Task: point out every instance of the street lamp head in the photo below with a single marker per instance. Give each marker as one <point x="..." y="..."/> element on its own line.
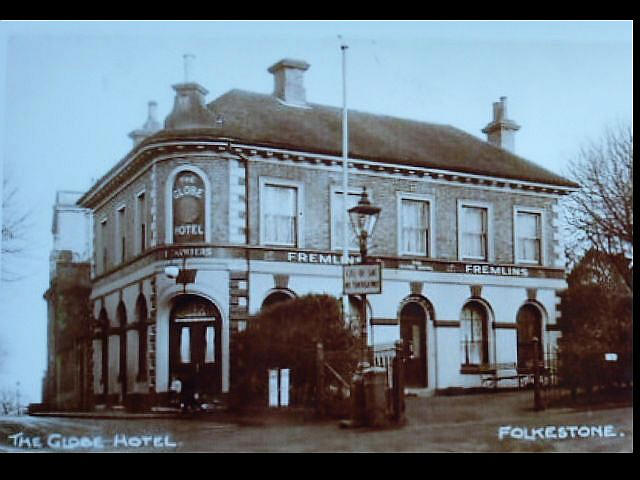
<point x="364" y="216"/>
<point x="171" y="271"/>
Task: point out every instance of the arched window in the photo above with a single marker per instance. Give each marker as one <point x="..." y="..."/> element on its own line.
<point x="277" y="297"/>
<point x="474" y="334"/>
<point x="141" y="321"/>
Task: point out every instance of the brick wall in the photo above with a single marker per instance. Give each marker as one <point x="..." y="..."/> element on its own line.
<point x="217" y="172"/>
<point x="216" y="169"/>
<point x="226" y="177"/>
<point x="383" y="193"/>
<point x="127" y="197"/>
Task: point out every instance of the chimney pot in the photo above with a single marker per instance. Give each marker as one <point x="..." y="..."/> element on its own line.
<point x="189" y="63"/>
<point x="501" y="130"/>
<point x="153" y="110"/>
<point x="150" y="127"/>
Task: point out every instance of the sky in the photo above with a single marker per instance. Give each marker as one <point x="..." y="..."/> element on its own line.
<point x="70" y="92"/>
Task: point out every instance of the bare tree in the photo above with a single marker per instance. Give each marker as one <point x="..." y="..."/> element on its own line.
<point x="15" y="229"/>
<point x="7" y="401"/>
<point x="600" y="214"/>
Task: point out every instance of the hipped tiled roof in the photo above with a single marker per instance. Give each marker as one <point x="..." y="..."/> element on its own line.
<point x="262" y="119"/>
<point x="259" y="119"/>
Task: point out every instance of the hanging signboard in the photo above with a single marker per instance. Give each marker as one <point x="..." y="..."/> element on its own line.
<point x="362" y="279"/>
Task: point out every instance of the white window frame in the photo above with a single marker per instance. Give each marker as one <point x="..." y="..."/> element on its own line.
<point x="431" y="246"/>
<point x="490" y="233"/>
<point x="535" y="210"/>
<point x="337" y="243"/>
<point x="119" y="231"/>
<point x="283" y="182"/>
<point x="138" y="222"/>
<point x="489" y="319"/>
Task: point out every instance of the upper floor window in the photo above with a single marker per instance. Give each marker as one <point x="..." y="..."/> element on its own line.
<point x="473" y="231"/>
<point x="415" y="225"/>
<point x="528" y="236"/>
<point x="280" y="212"/>
<point x="337" y="219"/>
<point x="121" y="233"/>
<point x="141" y="222"/>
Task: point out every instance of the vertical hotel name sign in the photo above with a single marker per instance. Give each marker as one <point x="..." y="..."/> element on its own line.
<point x="188" y="208"/>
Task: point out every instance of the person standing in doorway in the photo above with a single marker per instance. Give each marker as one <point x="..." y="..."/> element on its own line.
<point x="175" y="391"/>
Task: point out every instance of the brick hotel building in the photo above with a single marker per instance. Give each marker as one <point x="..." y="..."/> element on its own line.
<point x="247" y="191"/>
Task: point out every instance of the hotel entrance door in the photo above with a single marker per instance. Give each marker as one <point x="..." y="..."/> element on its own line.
<point x="194" y="345"/>
<point x="413" y="322"/>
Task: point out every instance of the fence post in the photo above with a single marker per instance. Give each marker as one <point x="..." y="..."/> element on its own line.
<point x="537" y="400"/>
<point x="319" y="378"/>
<point x="398" y="383"/>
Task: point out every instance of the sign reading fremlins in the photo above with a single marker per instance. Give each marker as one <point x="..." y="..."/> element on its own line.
<point x="188" y="208"/>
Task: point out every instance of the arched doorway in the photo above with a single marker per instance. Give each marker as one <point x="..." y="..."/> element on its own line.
<point x="195" y="344"/>
<point x="276" y="296"/>
<point x="529" y="322"/>
<point x="413" y="331"/>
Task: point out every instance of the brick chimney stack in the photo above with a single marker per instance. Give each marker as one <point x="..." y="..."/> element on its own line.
<point x="501" y="131"/>
<point x="288" y="78"/>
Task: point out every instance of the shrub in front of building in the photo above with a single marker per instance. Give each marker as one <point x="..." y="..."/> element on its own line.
<point x="286" y="336"/>
<point x="594" y="322"/>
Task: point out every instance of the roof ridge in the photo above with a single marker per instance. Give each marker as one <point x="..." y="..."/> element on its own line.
<point x="332" y="107"/>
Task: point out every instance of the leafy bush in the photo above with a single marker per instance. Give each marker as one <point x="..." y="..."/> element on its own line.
<point x="595" y="321"/>
<point x="285" y="335"/>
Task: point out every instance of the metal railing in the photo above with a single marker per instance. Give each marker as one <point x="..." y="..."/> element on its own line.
<point x="383" y="356"/>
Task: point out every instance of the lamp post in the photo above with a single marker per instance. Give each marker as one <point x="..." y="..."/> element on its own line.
<point x="363" y="220"/>
<point x="182" y="275"/>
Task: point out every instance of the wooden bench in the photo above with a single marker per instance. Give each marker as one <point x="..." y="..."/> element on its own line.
<point x="491" y="374"/>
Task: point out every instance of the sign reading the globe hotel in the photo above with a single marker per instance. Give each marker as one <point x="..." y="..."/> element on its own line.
<point x="188" y="208"/>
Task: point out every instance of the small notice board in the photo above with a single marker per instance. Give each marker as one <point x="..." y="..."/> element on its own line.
<point x="362" y="279"/>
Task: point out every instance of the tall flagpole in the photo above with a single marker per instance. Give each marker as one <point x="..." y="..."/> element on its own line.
<point x="345" y="171"/>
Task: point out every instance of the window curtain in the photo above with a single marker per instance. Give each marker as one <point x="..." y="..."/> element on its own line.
<point x="185" y="345"/>
<point x="474" y="232"/>
<point x="415" y="224"/>
<point x="210" y="352"/>
<point x="280" y="212"/>
<point x="528" y="229"/>
<point x="472" y="339"/>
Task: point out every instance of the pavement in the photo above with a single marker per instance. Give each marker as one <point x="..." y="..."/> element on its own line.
<point x="493" y="422"/>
